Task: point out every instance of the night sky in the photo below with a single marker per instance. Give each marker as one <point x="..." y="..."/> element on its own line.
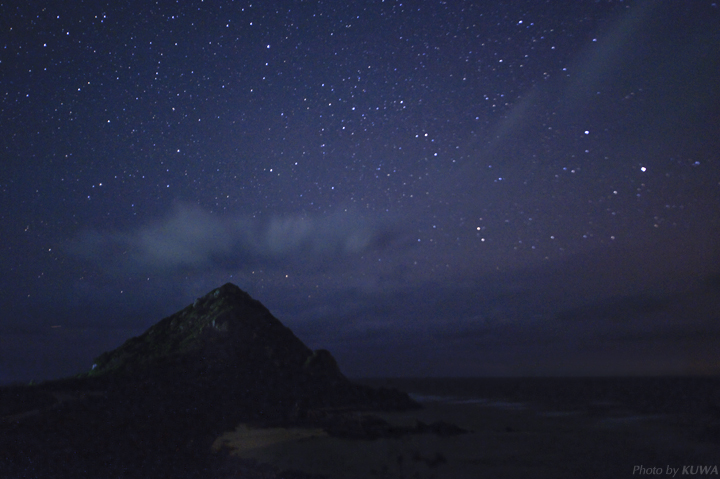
<point x="424" y="188"/>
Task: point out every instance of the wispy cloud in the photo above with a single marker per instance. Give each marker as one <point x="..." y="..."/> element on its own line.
<point x="192" y="238"/>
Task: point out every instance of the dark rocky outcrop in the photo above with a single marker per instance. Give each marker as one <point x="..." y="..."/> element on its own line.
<point x="224" y="329"/>
<point x="153" y="406"/>
<point x="228" y="350"/>
<point x="369" y="426"/>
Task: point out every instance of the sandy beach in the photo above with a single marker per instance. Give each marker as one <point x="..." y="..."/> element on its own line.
<point x="504" y="440"/>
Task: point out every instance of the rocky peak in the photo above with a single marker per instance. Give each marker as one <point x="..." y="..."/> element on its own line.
<point x="226" y="351"/>
<point x="225" y="327"/>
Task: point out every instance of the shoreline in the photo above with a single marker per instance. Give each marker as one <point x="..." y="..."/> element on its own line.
<point x="504" y="439"/>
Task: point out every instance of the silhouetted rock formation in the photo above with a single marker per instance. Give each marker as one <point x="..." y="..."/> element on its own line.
<point x="228" y="349"/>
<point x="225" y="329"/>
<point x="153" y="406"/>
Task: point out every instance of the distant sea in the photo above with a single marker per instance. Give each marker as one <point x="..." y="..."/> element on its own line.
<point x="613" y="396"/>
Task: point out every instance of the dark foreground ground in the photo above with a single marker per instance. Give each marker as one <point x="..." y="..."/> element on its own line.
<point x="537" y="427"/>
<point x="68" y="431"/>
